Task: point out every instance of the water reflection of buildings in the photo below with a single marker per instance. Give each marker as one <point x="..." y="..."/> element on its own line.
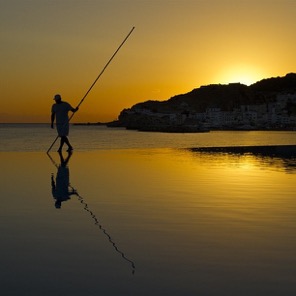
<point x="278" y="156"/>
<point x="62" y="191"/>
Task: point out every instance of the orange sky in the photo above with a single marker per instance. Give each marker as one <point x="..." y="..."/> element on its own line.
<point x="60" y="46"/>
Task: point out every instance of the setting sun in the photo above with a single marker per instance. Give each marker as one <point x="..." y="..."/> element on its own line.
<point x="243" y="74"/>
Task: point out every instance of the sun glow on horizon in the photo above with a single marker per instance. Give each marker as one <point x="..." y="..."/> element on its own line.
<point x="243" y="74"/>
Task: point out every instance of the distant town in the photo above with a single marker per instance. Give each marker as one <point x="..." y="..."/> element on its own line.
<point x="269" y="104"/>
<point x="273" y="115"/>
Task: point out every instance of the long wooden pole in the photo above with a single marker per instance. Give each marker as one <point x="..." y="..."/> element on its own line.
<point x="103" y="70"/>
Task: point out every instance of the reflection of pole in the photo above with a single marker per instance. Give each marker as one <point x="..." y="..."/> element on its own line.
<point x="80" y="198"/>
<point x="52" y="160"/>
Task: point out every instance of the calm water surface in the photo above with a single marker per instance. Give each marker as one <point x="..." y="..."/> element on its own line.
<point x="144" y="216"/>
<point x="38" y="138"/>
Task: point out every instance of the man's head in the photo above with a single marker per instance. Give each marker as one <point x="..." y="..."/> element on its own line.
<point x="57" y="98"/>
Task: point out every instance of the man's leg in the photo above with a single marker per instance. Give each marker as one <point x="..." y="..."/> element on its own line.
<point x="61" y="144"/>
<point x="68" y="143"/>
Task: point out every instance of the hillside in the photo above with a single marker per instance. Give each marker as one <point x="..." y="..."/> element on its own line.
<point x="226" y="98"/>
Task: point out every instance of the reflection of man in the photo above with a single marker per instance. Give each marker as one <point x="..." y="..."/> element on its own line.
<point x="61" y="190"/>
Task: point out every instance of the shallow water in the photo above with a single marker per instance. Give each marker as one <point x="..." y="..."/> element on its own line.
<point x="38" y="138"/>
<point x="148" y="215"/>
<point x="157" y="221"/>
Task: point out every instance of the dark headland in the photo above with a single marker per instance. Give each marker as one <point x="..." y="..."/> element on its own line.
<point x="279" y="151"/>
<point x="269" y="104"/>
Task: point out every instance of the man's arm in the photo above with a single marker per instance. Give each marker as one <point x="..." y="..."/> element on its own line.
<point x="52" y="119"/>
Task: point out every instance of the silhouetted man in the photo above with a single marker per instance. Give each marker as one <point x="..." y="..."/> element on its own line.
<point x="59" y="111"/>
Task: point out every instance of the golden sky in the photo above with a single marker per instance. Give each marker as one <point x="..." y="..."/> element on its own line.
<point x="60" y="46"/>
